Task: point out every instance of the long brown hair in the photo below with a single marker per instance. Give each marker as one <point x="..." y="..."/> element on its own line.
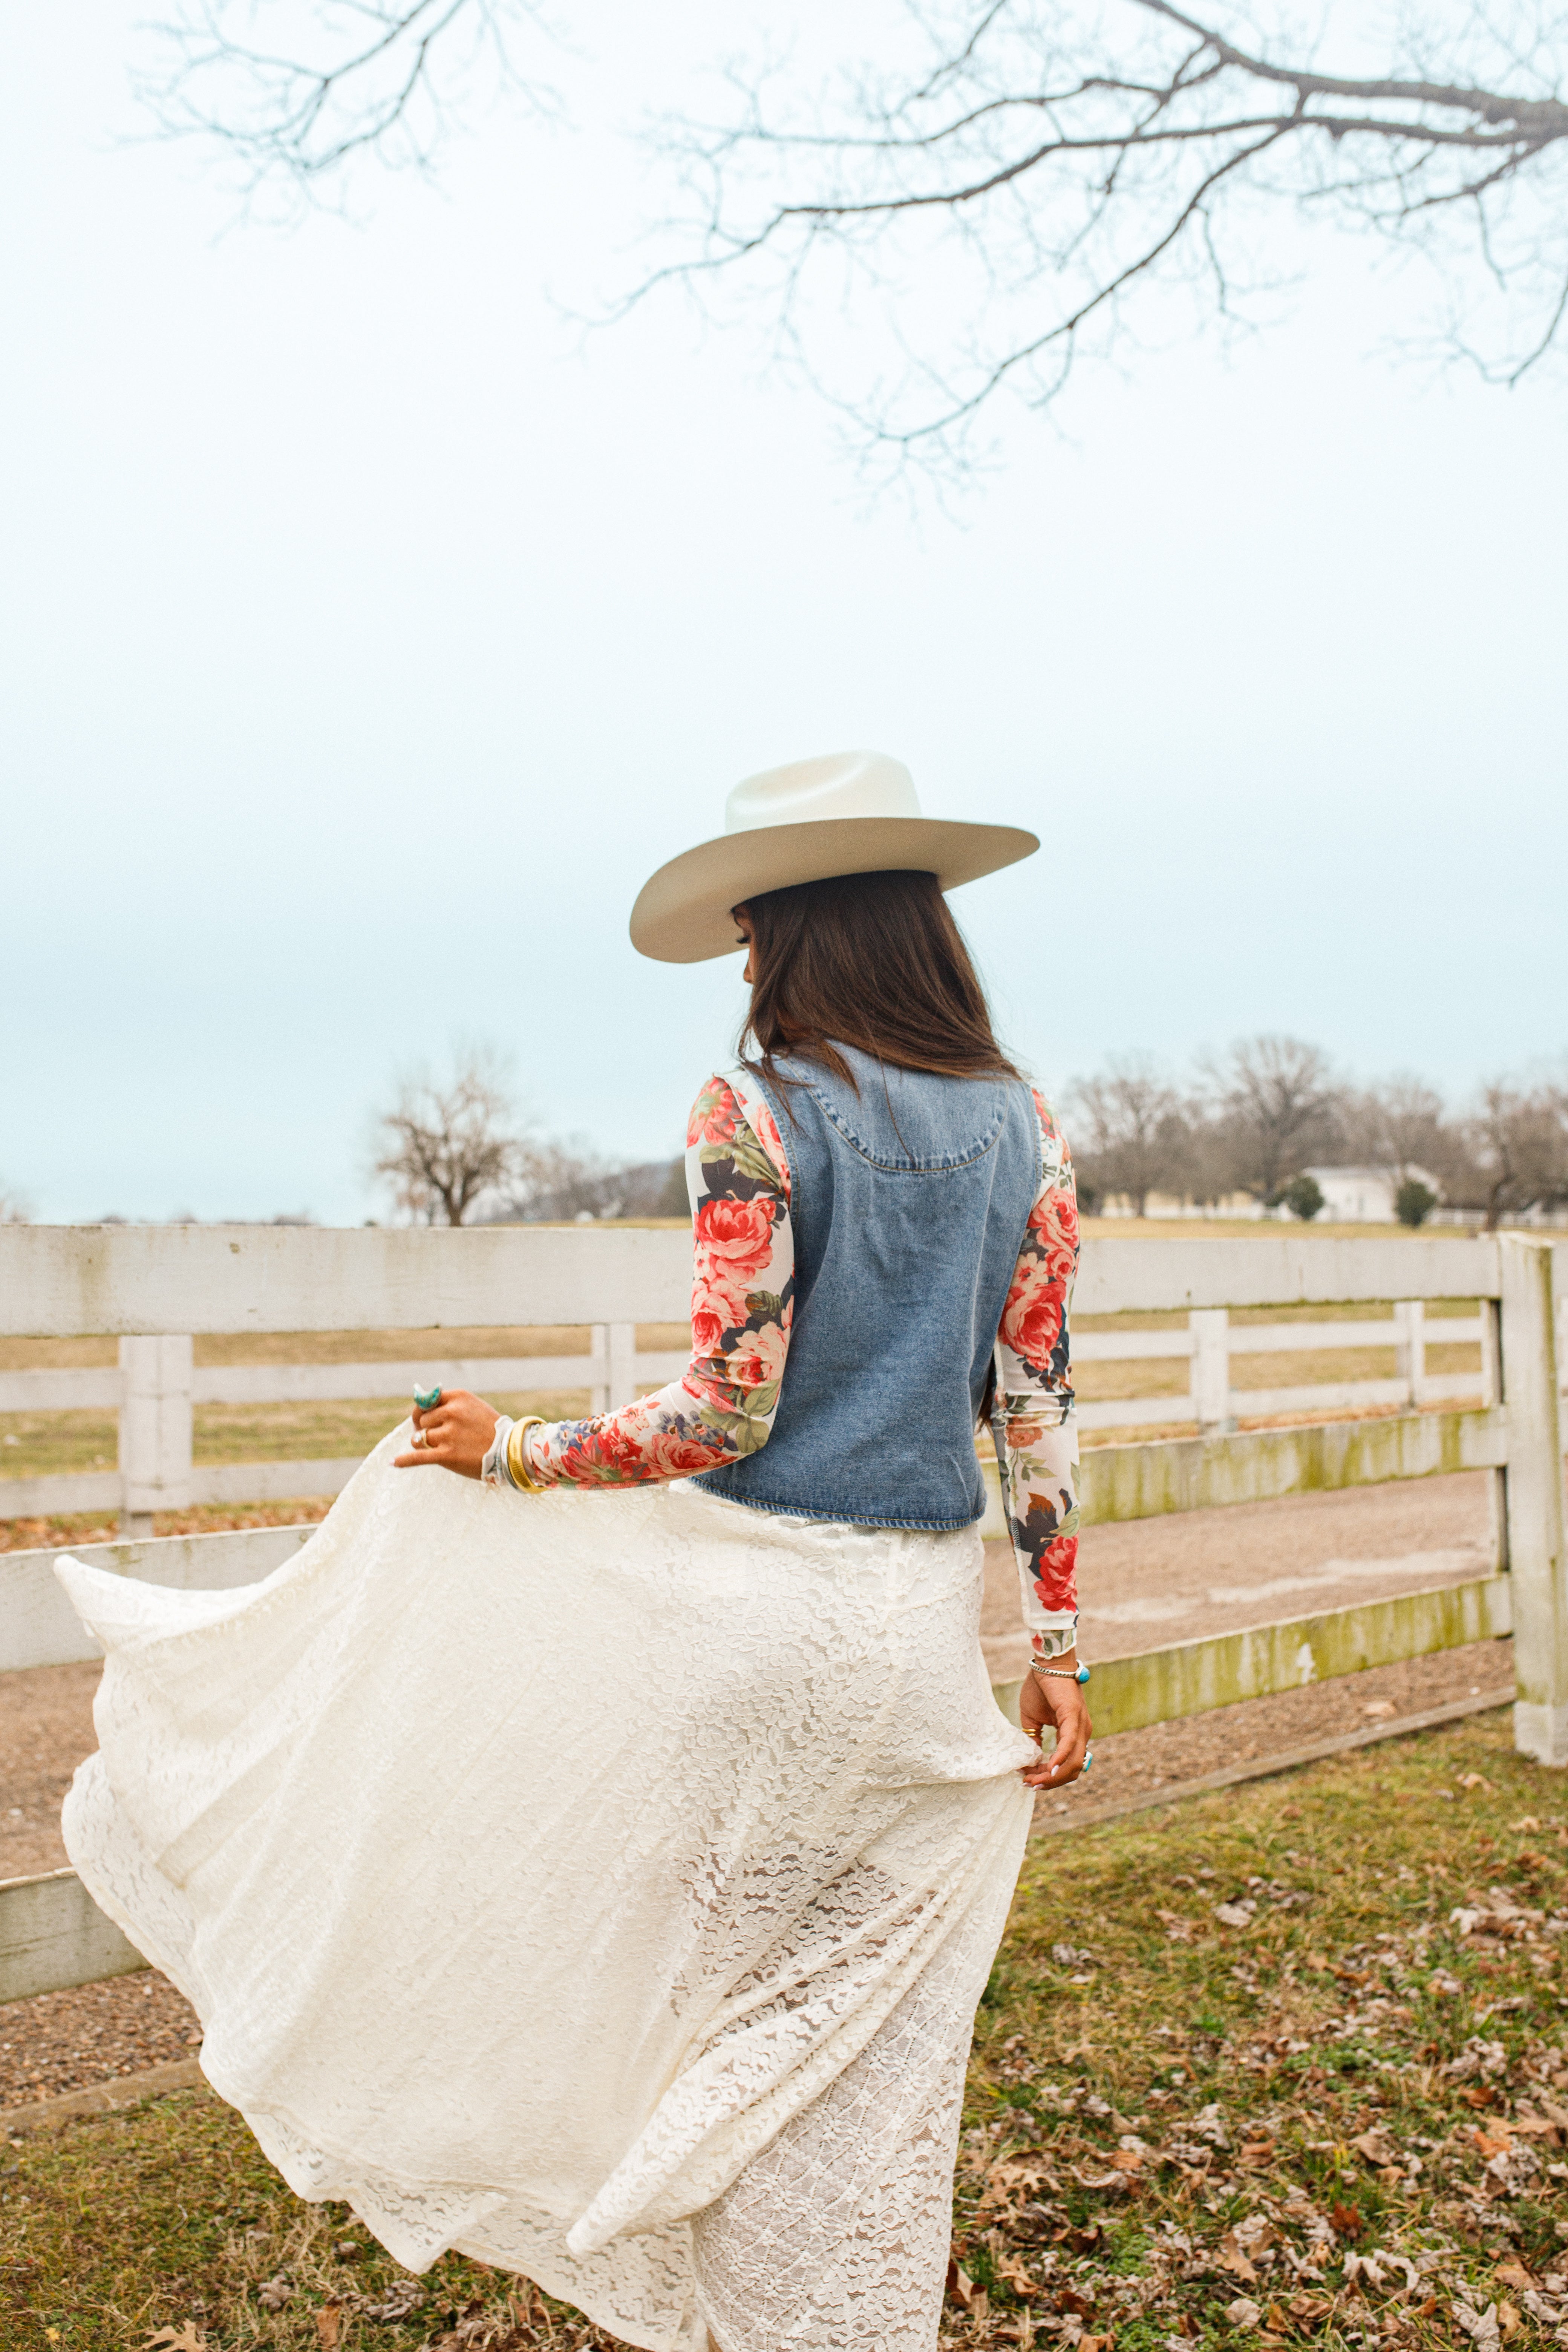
<point x="874" y="960"/>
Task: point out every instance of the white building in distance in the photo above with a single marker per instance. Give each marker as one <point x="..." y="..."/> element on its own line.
<point x="1364" y="1196"/>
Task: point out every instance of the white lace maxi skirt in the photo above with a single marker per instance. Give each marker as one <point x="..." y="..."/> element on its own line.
<point x="602" y="1885"/>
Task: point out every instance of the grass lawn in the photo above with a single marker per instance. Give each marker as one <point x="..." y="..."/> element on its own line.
<point x="1330" y="2115"/>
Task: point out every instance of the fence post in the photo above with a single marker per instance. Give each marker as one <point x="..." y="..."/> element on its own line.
<point x="621" y="1356"/>
<point x="155" y="1431"/>
<point x="1410" y="1348"/>
<point x="1210" y="1327"/>
<point x="1537" y="1554"/>
<point x="1491" y="1393"/>
<point x="614" y="1363"/>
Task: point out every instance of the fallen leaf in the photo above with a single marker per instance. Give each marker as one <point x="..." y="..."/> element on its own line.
<point x="1253" y="2152"/>
<point x="1474" y="1781"/>
<point x="1348" y="2220"/>
<point x="1376" y="2147"/>
<point x="187" y="2338"/>
<point x="331" y="2321"/>
<point x="1497" y="2142"/>
<point x="1012" y="2271"/>
<point x="1513" y="2273"/>
<point x="959" y="2285"/>
<point x="1480" y="2327"/>
<point x="1508" y="2320"/>
<point x="1310" y="2306"/>
<point x="273" y="2294"/>
<point x="1235" y="1915"/>
<point x="1378" y="1706"/>
<point x="1232" y="2257"/>
<point x="1243" y="2312"/>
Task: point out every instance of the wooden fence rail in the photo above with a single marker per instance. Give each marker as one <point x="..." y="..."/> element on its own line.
<point x="156" y="1287"/>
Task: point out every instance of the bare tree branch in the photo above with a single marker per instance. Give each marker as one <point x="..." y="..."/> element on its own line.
<point x="1036" y="173"/>
<point x="341" y="78"/>
<point x="990" y="208"/>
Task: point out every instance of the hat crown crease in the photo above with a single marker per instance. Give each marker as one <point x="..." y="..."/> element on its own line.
<point x="842" y="785"/>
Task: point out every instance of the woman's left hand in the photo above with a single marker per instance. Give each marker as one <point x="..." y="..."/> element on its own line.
<point x="1060" y="1704"/>
<point x="455" y="1435"/>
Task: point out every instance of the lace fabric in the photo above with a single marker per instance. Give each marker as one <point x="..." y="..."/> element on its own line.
<point x="657" y="1992"/>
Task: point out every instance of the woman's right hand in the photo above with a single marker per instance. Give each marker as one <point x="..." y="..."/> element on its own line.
<point x="1059" y="1705"/>
<point x="455" y="1435"/>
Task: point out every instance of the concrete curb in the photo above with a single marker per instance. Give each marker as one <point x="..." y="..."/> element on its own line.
<point x="1262" y="1767"/>
<point x="103" y="2098"/>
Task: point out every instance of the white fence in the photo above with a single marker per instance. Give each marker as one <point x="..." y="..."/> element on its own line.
<point x="157" y="1385"/>
<point x="155" y="1288"/>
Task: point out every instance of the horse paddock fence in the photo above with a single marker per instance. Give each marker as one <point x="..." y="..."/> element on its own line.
<point x="157" y="1289"/>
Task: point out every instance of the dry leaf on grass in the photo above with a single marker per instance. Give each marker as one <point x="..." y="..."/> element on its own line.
<point x="332" y="2321"/>
<point x="188" y="2338"/>
<point x="1233" y="2259"/>
<point x="1010" y="2269"/>
<point x="959" y="2285"/>
<point x="1243" y="2311"/>
<point x="1376" y="2147"/>
<point x="401" y="2303"/>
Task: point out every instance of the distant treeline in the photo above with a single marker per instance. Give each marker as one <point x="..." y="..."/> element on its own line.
<point x="1251" y="1121"/>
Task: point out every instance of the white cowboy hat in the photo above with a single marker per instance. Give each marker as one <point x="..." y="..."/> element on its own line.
<point x="850" y="812"/>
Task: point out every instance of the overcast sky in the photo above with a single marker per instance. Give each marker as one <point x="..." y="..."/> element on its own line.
<point x="366" y="642"/>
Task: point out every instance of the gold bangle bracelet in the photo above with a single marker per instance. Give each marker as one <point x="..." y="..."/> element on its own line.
<point x="516" y="1461"/>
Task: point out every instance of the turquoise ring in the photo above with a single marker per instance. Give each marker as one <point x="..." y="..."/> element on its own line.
<point x="1089" y="1759"/>
<point x="1081" y="1676"/>
<point x="426" y="1400"/>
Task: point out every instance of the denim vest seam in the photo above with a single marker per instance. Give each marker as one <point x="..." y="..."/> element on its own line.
<point x="917" y="1164"/>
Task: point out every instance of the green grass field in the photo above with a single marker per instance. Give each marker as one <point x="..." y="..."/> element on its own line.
<point x="1330" y="2117"/>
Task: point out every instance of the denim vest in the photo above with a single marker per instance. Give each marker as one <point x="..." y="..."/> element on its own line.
<point x="909" y="1201"/>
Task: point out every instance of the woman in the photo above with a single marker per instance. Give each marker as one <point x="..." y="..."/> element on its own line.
<point x="595" y="1866"/>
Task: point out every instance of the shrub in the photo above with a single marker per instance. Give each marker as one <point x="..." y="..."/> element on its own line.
<point x="1415" y="1201"/>
<point x="1303" y="1196"/>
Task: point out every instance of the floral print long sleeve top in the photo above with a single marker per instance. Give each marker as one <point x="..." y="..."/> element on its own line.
<point x="724" y="1403"/>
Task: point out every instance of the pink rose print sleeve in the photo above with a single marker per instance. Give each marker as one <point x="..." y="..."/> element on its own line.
<point x="743" y="1292"/>
<point x="1034" y="1423"/>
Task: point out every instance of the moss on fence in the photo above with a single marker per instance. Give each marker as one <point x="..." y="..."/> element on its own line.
<point x="1282" y="2065"/>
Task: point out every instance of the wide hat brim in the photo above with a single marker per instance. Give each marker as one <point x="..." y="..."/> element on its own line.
<point x="683" y="912"/>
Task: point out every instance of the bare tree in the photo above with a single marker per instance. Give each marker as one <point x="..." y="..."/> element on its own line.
<point x="560" y="1181"/>
<point x="1130" y="1135"/>
<point x="1397" y="1123"/>
<point x="445" y="1148"/>
<point x="1273" y="1102"/>
<point x="1517" y="1152"/>
<point x="997" y="204"/>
